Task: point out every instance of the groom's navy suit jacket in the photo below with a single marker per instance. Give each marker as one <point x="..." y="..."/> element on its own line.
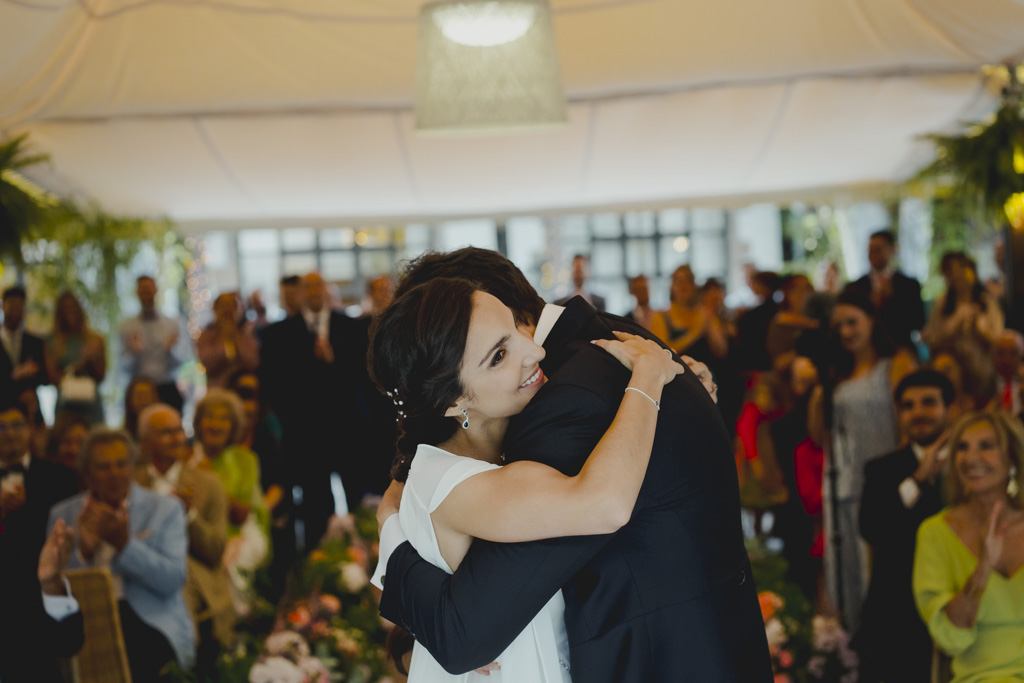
<point x="669" y="597"/>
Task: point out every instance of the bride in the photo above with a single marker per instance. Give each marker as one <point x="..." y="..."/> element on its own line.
<point x="452" y="359"/>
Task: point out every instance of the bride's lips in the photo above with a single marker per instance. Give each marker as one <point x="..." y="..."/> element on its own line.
<point x="534" y="380"/>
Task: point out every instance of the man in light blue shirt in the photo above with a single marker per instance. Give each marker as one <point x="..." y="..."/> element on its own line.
<point x="147" y="345"/>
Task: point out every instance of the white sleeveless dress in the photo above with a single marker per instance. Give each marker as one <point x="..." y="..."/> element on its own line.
<point x="540" y="654"/>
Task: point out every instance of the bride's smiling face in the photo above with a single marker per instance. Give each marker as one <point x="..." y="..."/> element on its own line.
<point x="501" y="366"/>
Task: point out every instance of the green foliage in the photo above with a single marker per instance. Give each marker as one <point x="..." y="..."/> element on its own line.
<point x="22" y="204"/>
<point x="979" y="163"/>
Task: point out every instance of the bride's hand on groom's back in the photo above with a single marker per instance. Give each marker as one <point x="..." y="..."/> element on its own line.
<point x="642" y="355"/>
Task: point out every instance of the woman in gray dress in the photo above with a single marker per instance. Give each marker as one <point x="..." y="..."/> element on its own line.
<point x="866" y="370"/>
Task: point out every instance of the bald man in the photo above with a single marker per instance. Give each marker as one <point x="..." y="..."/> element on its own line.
<point x="313" y="369"/>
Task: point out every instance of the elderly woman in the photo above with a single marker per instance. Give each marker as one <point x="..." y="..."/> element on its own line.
<point x="968" y="582"/>
<point x="218" y="425"/>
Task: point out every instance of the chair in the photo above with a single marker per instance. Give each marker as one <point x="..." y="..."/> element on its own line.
<point x="103" y="657"/>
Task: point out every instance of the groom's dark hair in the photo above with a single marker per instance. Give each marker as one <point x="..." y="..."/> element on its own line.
<point x="489" y="270"/>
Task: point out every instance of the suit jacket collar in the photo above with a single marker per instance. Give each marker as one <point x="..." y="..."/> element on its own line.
<point x="577" y="316"/>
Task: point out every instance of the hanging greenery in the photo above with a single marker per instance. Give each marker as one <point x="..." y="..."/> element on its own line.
<point x="985" y="164"/>
<point x="22" y="204"/>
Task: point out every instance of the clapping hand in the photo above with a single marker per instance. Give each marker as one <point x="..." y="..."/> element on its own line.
<point x="322" y="350"/>
<point x="11" y="498"/>
<point x="54" y="558"/>
<point x="931" y="462"/>
<point x="992" y="549"/>
<point x="23" y="370"/>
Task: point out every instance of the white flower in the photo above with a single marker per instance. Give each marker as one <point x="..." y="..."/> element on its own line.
<point x="828" y="634"/>
<point x="288" y="644"/>
<point x="354" y="577"/>
<point x="276" y="670"/>
<point x="314" y="670"/>
<point x="775" y="632"/>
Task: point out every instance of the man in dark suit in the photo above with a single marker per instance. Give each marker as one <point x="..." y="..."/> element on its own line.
<point x="29" y="486"/>
<point x="901" y="490"/>
<point x="22" y="366"/>
<point x="312" y="364"/>
<point x="896" y="297"/>
<point x="46" y="623"/>
<point x="580" y="275"/>
<point x="667" y="598"/>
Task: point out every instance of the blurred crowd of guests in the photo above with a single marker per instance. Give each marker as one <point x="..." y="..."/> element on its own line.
<point x="183" y="525"/>
<point x="886" y="446"/>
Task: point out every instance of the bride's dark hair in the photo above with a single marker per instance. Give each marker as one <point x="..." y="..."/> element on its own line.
<point x="416" y="357"/>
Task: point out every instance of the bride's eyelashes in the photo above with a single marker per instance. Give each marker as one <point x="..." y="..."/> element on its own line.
<point x="499" y="356"/>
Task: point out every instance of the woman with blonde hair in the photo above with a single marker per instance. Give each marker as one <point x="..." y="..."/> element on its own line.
<point x="218" y="426"/>
<point x="968" y="582"/>
<point x="76" y="360"/>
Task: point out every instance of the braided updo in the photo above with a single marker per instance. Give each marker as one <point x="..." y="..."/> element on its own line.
<point x="416" y="358"/>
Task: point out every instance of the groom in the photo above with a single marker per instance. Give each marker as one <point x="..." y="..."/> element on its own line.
<point x="669" y="597"/>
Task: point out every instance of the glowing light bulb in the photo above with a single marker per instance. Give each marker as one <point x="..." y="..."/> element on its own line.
<point x="485" y="24"/>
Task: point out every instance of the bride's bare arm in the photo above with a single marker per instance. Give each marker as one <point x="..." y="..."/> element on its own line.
<point x="527" y="501"/>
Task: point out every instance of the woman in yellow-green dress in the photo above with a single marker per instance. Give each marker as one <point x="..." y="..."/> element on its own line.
<point x="969" y="563"/>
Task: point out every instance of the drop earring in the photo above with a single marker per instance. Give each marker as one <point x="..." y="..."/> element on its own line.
<point x="465" y="423"/>
<point x="1012" y="487"/>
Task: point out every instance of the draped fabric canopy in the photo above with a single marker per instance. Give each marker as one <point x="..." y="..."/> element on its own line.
<point x="245" y="112"/>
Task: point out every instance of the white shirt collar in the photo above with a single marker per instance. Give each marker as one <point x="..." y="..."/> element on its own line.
<point x="320" y="321"/>
<point x="165" y="483"/>
<point x="548" y="317"/>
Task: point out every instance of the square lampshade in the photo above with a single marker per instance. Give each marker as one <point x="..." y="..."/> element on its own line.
<point x="487" y="66"/>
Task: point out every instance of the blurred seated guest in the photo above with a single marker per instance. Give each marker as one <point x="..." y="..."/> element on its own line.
<point x="262" y="434"/>
<point x="207" y="593"/>
<point x="789" y="325"/>
<point x="76" y="360"/>
<point x="966" y="318"/>
<point x="1007" y="357"/>
<point x="752" y="326"/>
<point x="968" y="582"/>
<point x="148" y="341"/>
<point x="228" y="343"/>
<point x="901" y="490"/>
<point x="49" y="622"/>
<point x="642" y="314"/>
<point x="946" y="360"/>
<point x="895" y="296"/>
<point x="22" y="359"/>
<point x="29" y="486"/>
<point x="65" y="441"/>
<point x="140" y="537"/>
<point x="140" y="394"/>
<point x="218" y="426"/>
<point x="580" y="275"/>
<point x="685" y="326"/>
<point x="380" y="292"/>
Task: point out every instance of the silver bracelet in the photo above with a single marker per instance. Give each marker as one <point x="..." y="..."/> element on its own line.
<point x="657" y="406"/>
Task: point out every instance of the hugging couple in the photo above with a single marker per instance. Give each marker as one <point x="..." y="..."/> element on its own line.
<point x="565" y="504"/>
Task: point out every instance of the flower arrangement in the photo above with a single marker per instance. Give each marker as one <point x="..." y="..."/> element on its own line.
<point x="327" y="628"/>
<point x="804" y="647"/>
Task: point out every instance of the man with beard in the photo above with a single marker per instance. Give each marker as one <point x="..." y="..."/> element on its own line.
<point x="902" y="489"/>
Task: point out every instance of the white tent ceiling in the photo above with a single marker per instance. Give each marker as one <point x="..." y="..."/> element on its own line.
<point x="242" y="112"/>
